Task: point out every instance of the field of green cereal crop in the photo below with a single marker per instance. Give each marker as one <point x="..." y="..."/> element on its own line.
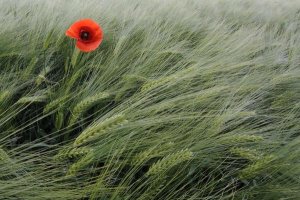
<point x="149" y="100"/>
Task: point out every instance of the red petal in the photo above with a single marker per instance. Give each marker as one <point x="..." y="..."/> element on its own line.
<point x="73" y="32"/>
<point x="87" y="47"/>
<point x="97" y="36"/>
<point x="75" y="28"/>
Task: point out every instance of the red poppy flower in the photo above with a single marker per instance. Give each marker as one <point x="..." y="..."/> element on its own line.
<point x="88" y="34"/>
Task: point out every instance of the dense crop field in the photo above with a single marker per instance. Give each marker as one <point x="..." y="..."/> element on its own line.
<point x="181" y="100"/>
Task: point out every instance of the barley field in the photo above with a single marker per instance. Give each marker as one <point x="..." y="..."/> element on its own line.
<point x="187" y="100"/>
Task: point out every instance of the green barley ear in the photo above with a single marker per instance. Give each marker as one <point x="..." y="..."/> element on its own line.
<point x="86" y="104"/>
<point x="54" y="104"/>
<point x="157" y="184"/>
<point x="96" y="190"/>
<point x="159" y="82"/>
<point x="30" y="68"/>
<point x="156" y="83"/>
<point x="59" y="119"/>
<point x="4" y="96"/>
<point x="42" y="75"/>
<point x="245" y="153"/>
<point x="257" y="167"/>
<point x="71" y="152"/>
<point x="33" y="99"/>
<point x="95" y="131"/>
<point x="80" y="164"/>
<point x="7" y="165"/>
<point x="169" y="161"/>
<point x="3" y="155"/>
<point x="241" y="138"/>
<point x="9" y="93"/>
<point x="285" y="100"/>
<point x="157" y="151"/>
<point x="130" y="84"/>
<point x="145" y="155"/>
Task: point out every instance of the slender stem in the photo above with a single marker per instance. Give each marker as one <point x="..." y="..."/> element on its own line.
<point x="75" y="56"/>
